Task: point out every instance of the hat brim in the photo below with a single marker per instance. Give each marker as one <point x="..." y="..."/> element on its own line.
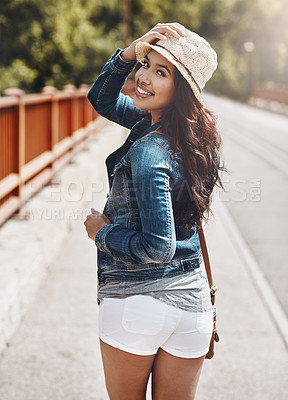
<point x="143" y="48"/>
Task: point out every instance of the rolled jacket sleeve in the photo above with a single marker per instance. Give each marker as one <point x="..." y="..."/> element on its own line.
<point x="152" y="176"/>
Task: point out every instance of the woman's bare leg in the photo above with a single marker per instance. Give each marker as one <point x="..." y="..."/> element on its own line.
<point x="175" y="377"/>
<point x="126" y="374"/>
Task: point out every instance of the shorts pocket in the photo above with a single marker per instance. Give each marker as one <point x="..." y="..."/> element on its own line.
<point x="143" y="315"/>
<point x="205" y="322"/>
<point x="109" y="321"/>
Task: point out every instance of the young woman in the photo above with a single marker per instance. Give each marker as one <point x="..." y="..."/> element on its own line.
<point x="155" y="310"/>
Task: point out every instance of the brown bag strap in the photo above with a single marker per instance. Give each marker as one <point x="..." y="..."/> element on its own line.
<point x="206" y="261"/>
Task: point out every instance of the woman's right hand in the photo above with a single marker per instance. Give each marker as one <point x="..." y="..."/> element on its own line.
<point x="160" y="31"/>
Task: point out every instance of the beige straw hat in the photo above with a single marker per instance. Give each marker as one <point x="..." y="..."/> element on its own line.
<point x="192" y="55"/>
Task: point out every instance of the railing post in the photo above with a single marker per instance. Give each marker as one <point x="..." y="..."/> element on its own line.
<point x="87" y="107"/>
<point x="54" y="121"/>
<point x="15" y="92"/>
<point x="70" y="90"/>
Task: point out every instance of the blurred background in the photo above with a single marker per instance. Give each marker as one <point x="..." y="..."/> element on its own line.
<point x="53" y="147"/>
<point x="59" y="42"/>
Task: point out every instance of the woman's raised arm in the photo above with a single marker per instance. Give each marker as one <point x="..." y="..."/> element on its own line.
<point x="160" y="31"/>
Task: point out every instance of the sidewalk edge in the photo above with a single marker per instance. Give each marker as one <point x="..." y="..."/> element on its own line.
<point x="264" y="290"/>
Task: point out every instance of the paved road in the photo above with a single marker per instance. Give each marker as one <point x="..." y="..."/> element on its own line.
<point x="256" y="153"/>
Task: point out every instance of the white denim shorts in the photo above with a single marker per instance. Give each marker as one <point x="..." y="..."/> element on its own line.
<point x="141" y="324"/>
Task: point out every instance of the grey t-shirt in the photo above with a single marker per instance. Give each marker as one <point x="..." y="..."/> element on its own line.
<point x="189" y="291"/>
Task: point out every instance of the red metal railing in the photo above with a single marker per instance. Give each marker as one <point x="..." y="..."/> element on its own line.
<point x="39" y="133"/>
<point x="276" y="93"/>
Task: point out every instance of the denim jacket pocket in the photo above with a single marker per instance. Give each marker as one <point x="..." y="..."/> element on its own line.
<point x="118" y="184"/>
<point x="135" y="221"/>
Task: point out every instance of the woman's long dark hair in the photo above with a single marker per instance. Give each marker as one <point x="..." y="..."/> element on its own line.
<point x="193" y="129"/>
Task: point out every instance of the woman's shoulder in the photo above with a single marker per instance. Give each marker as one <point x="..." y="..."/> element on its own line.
<point x="151" y="139"/>
<point x="153" y="151"/>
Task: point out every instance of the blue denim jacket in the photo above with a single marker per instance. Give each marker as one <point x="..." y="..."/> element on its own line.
<point x="146" y="178"/>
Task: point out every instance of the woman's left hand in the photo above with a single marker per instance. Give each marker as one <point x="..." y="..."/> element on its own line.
<point x="94" y="222"/>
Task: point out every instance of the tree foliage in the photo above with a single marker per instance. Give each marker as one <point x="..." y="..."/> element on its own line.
<point x="56" y="42"/>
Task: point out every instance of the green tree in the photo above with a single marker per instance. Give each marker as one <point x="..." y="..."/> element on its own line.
<point x="55" y="42"/>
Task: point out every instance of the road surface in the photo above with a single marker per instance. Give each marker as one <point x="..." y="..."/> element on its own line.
<point x="256" y="154"/>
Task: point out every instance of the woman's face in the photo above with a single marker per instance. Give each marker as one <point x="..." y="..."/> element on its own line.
<point x="154" y="85"/>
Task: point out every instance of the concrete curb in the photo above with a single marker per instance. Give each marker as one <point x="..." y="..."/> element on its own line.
<point x="268" y="297"/>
